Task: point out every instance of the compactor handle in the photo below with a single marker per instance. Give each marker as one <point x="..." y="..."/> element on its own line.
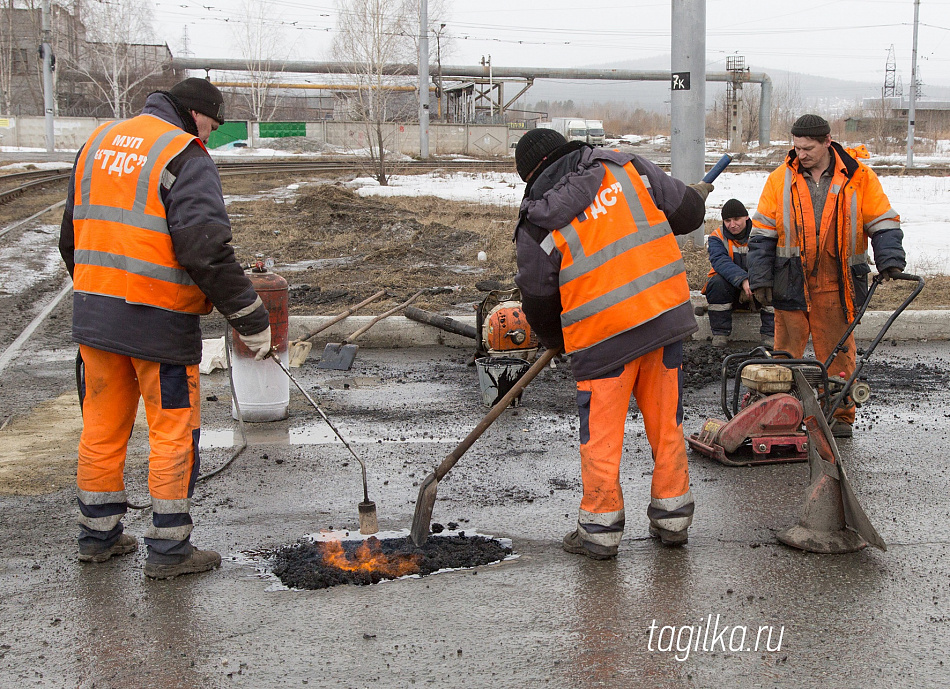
<point x="716" y="169"/>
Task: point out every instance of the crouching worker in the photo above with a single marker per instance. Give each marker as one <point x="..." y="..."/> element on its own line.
<point x="728" y="283"/>
<point x="146" y="239"/>
<point x="601" y="274"/>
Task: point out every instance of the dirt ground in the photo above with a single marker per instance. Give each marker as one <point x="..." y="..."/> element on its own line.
<point x="335" y="248"/>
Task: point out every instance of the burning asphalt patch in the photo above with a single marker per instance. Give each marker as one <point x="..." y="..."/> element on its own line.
<point x="330" y="561"/>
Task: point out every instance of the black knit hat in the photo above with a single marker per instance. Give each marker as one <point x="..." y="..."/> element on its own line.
<point x="733" y="208"/>
<point x="533" y="147"/>
<point x="201" y="96"/>
<point x="811" y="125"/>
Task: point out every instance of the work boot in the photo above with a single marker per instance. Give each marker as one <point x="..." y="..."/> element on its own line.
<point x="669" y="538"/>
<point x="720" y="341"/>
<point x="768" y="342"/>
<point x="123" y="545"/>
<point x="573" y="543"/>
<point x="841" y="429"/>
<point x="198" y="561"/>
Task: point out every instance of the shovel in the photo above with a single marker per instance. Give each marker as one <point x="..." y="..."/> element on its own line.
<point x="339" y="356"/>
<point x="427" y="491"/>
<point x="299" y="349"/>
<point x="854" y="516"/>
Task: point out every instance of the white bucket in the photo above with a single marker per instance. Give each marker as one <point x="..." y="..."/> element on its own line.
<point x="497" y="375"/>
<point x="261" y="388"/>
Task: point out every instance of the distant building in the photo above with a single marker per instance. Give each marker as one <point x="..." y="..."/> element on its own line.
<point x="78" y="85"/>
<point x="931" y="116"/>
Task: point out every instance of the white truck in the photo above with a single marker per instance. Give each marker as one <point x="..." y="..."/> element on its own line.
<point x="571" y="128"/>
<point x="595" y="132"/>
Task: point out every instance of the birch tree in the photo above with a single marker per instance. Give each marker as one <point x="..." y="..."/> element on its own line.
<point x="114" y="58"/>
<point x="261" y="42"/>
<point x="371" y="35"/>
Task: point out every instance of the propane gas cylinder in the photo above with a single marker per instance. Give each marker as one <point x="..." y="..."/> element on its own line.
<point x="261" y="388"/>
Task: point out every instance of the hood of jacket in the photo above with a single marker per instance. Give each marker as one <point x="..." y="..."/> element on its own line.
<point x="164" y="105"/>
<point x="568" y="186"/>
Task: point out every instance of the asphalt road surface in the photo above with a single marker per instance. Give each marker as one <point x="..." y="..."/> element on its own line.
<point x="732" y="608"/>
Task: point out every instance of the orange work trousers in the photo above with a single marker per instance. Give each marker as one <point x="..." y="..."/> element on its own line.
<point x="655" y="381"/>
<point x="826" y="323"/>
<point x="113" y="384"/>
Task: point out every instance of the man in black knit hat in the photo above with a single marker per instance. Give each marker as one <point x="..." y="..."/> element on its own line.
<point x="146" y="238"/>
<point x="601" y="275"/>
<point x="728" y="283"/>
<point x="819" y="215"/>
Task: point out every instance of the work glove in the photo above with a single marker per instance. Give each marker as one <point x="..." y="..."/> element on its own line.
<point x="889" y="273"/>
<point x="763" y="295"/>
<point x="703" y="188"/>
<point x="258" y="343"/>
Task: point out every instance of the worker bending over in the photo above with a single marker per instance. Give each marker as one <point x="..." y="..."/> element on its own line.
<point x="146" y="239"/>
<point x="601" y="274"/>
<point x="808" y="251"/>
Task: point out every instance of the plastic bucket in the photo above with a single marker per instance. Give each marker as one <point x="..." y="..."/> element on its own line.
<point x="497" y="375"/>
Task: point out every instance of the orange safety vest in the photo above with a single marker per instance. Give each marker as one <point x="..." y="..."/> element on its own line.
<point x="123" y="246"/>
<point x="621" y="266"/>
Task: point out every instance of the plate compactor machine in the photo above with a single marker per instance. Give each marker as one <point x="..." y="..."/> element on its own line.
<point x="761" y="397"/>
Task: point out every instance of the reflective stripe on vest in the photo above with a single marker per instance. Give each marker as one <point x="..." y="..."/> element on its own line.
<point x="123" y="246"/>
<point x="621" y="266"/>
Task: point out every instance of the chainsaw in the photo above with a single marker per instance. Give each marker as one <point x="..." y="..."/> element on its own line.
<point x="502" y="328"/>
<point x="762" y="402"/>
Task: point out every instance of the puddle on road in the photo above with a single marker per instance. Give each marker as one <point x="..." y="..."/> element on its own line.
<point x="302" y="435"/>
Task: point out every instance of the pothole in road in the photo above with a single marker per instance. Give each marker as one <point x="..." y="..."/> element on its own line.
<point x="324" y="563"/>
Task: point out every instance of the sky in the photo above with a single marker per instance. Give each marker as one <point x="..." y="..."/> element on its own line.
<point x="846" y="39"/>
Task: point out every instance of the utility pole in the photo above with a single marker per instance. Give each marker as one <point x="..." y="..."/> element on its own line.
<point x="438" y="57"/>
<point x="423" y="79"/>
<point x="47" y="52"/>
<point x="688" y="97"/>
<point x="913" y="92"/>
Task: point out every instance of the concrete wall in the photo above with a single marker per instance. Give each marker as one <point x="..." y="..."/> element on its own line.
<point x="30" y="132"/>
<point x="444" y="139"/>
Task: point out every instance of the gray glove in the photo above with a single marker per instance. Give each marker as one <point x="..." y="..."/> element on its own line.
<point x="703" y="188"/>
<point x="259" y="343"/>
<point x="889" y="273"/>
<point x="763" y="295"/>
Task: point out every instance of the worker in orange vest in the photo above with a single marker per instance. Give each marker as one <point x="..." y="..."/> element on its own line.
<point x="818" y="215"/>
<point x="146" y="239"/>
<point x="602" y="276"/>
<point x="727" y="285"/>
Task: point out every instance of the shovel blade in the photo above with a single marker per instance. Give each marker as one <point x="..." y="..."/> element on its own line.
<point x="299" y="349"/>
<point x="338" y="356"/>
<point x="423" y="514"/>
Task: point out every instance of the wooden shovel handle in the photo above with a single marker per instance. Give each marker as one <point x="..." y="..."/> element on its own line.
<point x="339" y="317"/>
<point x="495" y="412"/>
<point x="382" y="316"/>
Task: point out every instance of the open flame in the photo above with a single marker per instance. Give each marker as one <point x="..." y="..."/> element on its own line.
<point x="369" y="558"/>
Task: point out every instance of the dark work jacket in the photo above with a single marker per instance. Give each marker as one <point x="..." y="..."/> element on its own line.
<point x="558" y="195"/>
<point x="734" y="269"/>
<point x="201" y="236"/>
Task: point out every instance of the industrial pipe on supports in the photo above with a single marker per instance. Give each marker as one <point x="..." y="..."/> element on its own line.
<point x="451" y="72"/>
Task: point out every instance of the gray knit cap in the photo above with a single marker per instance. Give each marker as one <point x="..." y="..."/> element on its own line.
<point x="811" y="125"/>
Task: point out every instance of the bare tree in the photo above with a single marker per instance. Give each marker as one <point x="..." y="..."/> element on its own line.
<point x="261" y="42"/>
<point x="116" y="57"/>
<point x="371" y="35"/>
<point x="8" y="44"/>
